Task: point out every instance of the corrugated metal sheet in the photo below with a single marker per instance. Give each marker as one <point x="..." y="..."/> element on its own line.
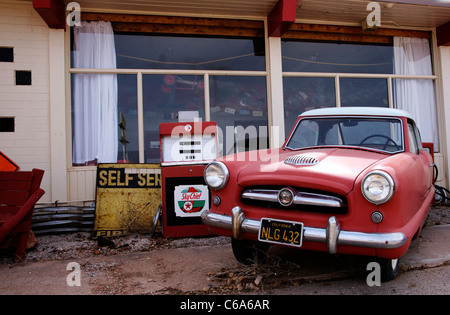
<point x="64" y="219"/>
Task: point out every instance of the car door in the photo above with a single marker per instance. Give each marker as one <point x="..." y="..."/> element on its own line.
<point x="423" y="164"/>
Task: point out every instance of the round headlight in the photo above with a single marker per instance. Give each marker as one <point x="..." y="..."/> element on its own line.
<point x="216" y="175"/>
<point x="377" y="187"/>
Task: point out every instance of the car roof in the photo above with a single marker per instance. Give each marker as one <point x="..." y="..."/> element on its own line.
<point x="358" y="111"/>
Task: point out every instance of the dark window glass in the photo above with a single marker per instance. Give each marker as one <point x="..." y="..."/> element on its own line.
<point x="6" y="54"/>
<point x="23" y="77"/>
<point x="189" y="52"/>
<point x="302" y="94"/>
<point x="239" y="106"/>
<point x="364" y="92"/>
<point x="307" y="56"/>
<point x="128" y="118"/>
<point x="7" y="124"/>
<point x="165" y="96"/>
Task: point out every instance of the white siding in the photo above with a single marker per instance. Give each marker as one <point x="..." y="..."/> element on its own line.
<point x="82" y="183"/>
<point x="29" y="146"/>
<point x="444" y="53"/>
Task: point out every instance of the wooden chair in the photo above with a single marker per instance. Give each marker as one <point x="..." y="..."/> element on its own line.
<point x="19" y="192"/>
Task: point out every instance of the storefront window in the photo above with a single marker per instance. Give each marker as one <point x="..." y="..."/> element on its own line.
<point x="361" y="74"/>
<point x="128" y="119"/>
<point x="306" y="56"/>
<point x="363" y="92"/>
<point x="146" y="51"/>
<point x="306" y="92"/>
<point x="302" y="94"/>
<point x="164" y="97"/>
<point x="189" y="52"/>
<point x="135" y="103"/>
<point x="239" y="106"/>
<point x="104" y="118"/>
<point x="417" y="97"/>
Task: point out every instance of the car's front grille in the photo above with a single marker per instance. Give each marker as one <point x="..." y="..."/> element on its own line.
<point x="304" y="200"/>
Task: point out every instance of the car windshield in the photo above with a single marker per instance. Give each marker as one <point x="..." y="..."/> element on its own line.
<point x="382" y="134"/>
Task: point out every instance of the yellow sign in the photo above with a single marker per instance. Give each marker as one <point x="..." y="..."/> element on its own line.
<point x="127" y="198"/>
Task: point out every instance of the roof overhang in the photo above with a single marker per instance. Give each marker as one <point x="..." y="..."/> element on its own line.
<point x="437" y="3"/>
<point x="281" y="17"/>
<point x="52" y="12"/>
<point x="443" y="34"/>
<point x="280" y="14"/>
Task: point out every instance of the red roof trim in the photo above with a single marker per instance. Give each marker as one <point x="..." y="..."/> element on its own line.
<point x="281" y="17"/>
<point x="52" y="12"/>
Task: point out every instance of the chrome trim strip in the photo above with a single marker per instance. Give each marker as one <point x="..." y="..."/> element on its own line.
<point x="237" y="217"/>
<point x="261" y="194"/>
<point x="300" y="198"/>
<point x="332" y="235"/>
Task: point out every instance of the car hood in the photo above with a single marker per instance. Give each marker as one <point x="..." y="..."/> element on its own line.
<point x="327" y="169"/>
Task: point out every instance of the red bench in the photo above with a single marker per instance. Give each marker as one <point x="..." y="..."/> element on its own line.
<point x="19" y="192"/>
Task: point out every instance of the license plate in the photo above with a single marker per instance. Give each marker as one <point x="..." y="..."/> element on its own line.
<point x="281" y="232"/>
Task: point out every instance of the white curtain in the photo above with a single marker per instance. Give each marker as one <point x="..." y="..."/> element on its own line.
<point x="412" y="57"/>
<point x="95" y="121"/>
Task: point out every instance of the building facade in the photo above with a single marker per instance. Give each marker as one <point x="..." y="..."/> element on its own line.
<point x="89" y="82"/>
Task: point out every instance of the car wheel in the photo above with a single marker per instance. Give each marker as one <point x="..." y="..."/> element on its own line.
<point x="249" y="252"/>
<point x="389" y="268"/>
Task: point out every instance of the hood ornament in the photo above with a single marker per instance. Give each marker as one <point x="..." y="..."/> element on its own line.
<point x="301" y="160"/>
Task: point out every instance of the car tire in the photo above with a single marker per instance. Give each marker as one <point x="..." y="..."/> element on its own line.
<point x="389" y="268"/>
<point x="249" y="252"/>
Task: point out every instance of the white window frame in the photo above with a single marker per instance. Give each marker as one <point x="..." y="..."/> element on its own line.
<point x="338" y="76"/>
<point x="388" y="77"/>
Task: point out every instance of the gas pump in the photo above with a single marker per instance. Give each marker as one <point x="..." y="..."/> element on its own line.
<point x="186" y="148"/>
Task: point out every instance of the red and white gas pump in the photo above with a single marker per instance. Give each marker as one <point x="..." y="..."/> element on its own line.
<point x="186" y="148"/>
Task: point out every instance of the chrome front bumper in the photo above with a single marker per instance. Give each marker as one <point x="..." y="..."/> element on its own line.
<point x="332" y="235"/>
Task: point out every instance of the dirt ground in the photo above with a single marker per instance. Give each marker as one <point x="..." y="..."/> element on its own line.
<point x="137" y="264"/>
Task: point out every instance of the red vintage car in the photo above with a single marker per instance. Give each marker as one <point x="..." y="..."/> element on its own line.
<point x="347" y="181"/>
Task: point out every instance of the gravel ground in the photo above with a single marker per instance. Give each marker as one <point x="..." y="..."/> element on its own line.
<point x="438" y="215"/>
<point x="230" y="278"/>
<point x="80" y="245"/>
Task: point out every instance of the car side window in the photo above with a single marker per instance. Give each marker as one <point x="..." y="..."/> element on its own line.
<point x="413" y="147"/>
<point x="418" y="138"/>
